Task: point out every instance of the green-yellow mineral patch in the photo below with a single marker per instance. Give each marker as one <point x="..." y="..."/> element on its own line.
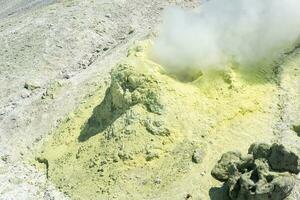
<point x="139" y="139"/>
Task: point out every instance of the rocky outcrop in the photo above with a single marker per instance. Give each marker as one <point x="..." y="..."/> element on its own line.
<point x="130" y="86"/>
<point x="265" y="173"/>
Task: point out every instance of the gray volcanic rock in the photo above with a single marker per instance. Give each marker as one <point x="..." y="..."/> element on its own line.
<point x="282" y="159"/>
<point x="259" y="150"/>
<point x="221" y="171"/>
<point x="265" y="173"/>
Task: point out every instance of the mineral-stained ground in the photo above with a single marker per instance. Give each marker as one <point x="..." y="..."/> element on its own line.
<point x="151" y="135"/>
<point x="71" y="130"/>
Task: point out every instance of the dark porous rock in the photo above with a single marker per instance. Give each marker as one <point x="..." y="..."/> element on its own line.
<point x="221" y="169"/>
<point x="282" y="159"/>
<point x="246" y="163"/>
<point x="260" y="150"/>
<point x="264" y="174"/>
<point x="260" y="183"/>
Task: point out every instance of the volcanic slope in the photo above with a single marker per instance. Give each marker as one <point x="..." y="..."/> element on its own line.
<point x="151" y="135"/>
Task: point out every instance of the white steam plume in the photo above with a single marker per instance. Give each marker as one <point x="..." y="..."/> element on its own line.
<point x="246" y="31"/>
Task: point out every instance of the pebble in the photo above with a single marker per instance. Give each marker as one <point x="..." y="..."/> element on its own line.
<point x="66" y="76"/>
<point x="198" y="156"/>
<point x="131" y="30"/>
<point x="188" y="196"/>
<point x="25" y="94"/>
<point x="4" y="158"/>
<point x="151" y="155"/>
<point x="157" y="181"/>
<point x="31" y="85"/>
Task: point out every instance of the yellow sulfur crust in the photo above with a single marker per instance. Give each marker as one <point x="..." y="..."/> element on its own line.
<point x="150" y="123"/>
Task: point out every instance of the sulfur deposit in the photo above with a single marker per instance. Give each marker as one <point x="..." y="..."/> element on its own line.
<point x="154" y="135"/>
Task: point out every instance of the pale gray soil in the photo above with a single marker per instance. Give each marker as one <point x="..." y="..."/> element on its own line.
<point x="70" y="45"/>
<point x="16" y="7"/>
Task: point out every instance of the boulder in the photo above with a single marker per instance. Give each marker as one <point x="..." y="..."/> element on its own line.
<point x="221" y="170"/>
<point x="282" y="159"/>
<point x="260" y="150"/>
<point x="264" y="174"/>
